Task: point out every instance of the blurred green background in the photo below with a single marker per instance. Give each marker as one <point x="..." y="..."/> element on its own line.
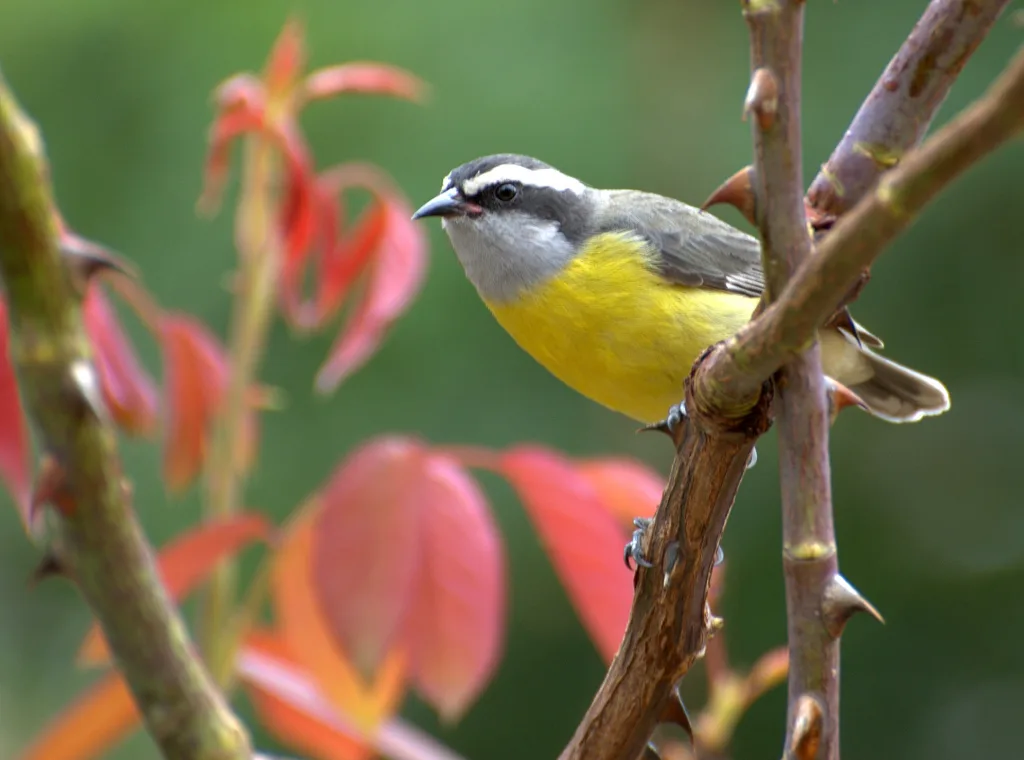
<point x="646" y="94"/>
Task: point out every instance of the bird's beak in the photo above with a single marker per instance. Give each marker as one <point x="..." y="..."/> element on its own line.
<point x="448" y="203"/>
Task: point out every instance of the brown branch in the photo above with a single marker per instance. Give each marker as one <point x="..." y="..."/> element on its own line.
<point x="98" y="543"/>
<point x="668" y="622"/>
<point x="904" y="100"/>
<point x="733" y="374"/>
<point x="810" y="561"/>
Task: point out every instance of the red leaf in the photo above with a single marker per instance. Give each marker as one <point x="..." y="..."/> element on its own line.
<point x="627" y="488"/>
<point x="310" y="639"/>
<point x="196" y="374"/>
<point x="242" y="91"/>
<point x="308" y="219"/>
<point x="185" y="562"/>
<point x="367" y="547"/>
<point x="128" y="391"/>
<point x="582" y="539"/>
<point x="95" y="722"/>
<point x="286" y="60"/>
<point x="15" y="465"/>
<point x="289" y="705"/>
<point x="244" y="115"/>
<point x="304" y="719"/>
<point x="458" y="617"/>
<point x="395" y="277"/>
<point x="348" y="257"/>
<point x="370" y="78"/>
<point x="229" y="125"/>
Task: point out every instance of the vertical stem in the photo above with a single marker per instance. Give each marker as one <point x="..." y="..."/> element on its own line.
<point x="801" y="403"/>
<point x="259" y="249"/>
<point x="98" y="542"/>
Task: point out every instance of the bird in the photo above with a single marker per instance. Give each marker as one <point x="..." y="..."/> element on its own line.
<point x="617" y="292"/>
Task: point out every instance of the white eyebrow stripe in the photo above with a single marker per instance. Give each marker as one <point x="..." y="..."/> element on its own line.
<point x="548" y="178"/>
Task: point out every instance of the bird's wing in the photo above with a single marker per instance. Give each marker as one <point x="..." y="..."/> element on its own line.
<point x="700" y="250"/>
<point x="694" y="247"/>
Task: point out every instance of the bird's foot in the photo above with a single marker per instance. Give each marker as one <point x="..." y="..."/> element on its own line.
<point x="634" y="548"/>
<point x="752" y="459"/>
<point x="673" y="421"/>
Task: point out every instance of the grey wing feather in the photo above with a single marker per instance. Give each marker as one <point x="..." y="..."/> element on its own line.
<point x="696" y="248"/>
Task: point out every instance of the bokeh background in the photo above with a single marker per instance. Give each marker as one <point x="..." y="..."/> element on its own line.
<point x="647" y="94"/>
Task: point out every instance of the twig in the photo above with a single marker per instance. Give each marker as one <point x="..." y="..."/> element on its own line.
<point x="810" y="560"/>
<point x="259" y="262"/>
<point x="895" y="116"/>
<point x="98" y="542"/>
<point x="664" y="634"/>
<point x="670" y="621"/>
<point x="859" y="237"/>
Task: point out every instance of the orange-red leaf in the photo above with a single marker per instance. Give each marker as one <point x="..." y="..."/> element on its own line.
<point x="286" y="60"/>
<point x="289" y="705"/>
<point x="95" y="722"/>
<point x="583" y="540"/>
<point x="308" y="222"/>
<point x="15" y="466"/>
<point x="244" y="111"/>
<point x="457" y="625"/>
<point x="303" y="718"/>
<point x="395" y="277"/>
<point x="370" y="78"/>
<point x="229" y="125"/>
<point x="367" y="549"/>
<point x="314" y="646"/>
<point x="128" y="391"/>
<point x="348" y="257"/>
<point x="627" y="488"/>
<point x="187" y="561"/>
<point x="196" y="375"/>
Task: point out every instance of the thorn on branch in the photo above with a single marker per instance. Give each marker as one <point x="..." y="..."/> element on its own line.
<point x="762" y="99"/>
<point x="808" y="727"/>
<point x="841" y="602"/>
<point x="51" y="488"/>
<point x="49" y="566"/>
<point x="672" y="557"/>
<point x="840" y="397"/>
<point x="87" y="259"/>
<point x="84" y="390"/>
<point x="738" y="192"/>
<point x="675" y="712"/>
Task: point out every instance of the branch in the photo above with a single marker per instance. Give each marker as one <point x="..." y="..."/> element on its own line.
<point x="98" y="541"/>
<point x="727" y="407"/>
<point x="810" y="560"/>
<point x="670" y="621"/>
<point x="735" y="373"/>
<point x="904" y="100"/>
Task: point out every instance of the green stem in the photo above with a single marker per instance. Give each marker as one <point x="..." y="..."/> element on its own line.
<point x="98" y="543"/>
<point x="259" y="248"/>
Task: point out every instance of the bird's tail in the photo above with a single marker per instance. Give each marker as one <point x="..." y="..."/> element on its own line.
<point x="890" y="391"/>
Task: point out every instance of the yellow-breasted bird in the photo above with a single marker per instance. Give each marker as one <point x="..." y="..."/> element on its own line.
<point x="616" y="292"/>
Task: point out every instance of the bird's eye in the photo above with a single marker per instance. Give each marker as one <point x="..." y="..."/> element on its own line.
<point x="506" y="192"/>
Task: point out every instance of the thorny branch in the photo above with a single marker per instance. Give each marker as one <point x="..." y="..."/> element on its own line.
<point x="810" y="560"/>
<point x="669" y="621"/>
<point x="897" y="112"/>
<point x="98" y="543"/>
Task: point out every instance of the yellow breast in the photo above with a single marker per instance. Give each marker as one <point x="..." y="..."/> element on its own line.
<point x="612" y="329"/>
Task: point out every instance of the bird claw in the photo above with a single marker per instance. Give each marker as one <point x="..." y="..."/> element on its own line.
<point x="634" y="549"/>
<point x="752" y="459"/>
<point x="673" y="420"/>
